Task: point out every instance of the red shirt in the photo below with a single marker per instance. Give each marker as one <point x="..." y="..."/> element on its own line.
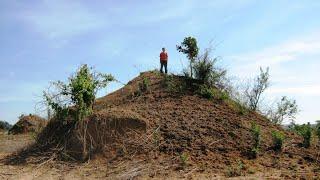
<point x="163" y="56"/>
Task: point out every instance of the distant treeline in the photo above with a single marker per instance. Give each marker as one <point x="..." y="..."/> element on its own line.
<point x="5" y="125"/>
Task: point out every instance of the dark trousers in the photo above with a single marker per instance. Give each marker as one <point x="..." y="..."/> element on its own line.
<point x="163" y="63"/>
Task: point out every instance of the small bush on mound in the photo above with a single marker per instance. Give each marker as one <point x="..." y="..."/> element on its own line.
<point x="184" y="159"/>
<point x="205" y="92"/>
<point x="73" y="101"/>
<point x="305" y="131"/>
<point x="207" y="72"/>
<point x="144" y="85"/>
<point x="234" y="171"/>
<point x="277" y="138"/>
<point x="317" y="131"/>
<point x="174" y="85"/>
<point x="256" y="135"/>
<point x="212" y="93"/>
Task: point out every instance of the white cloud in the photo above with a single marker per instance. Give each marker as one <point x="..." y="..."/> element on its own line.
<point x="312" y="90"/>
<point x="293" y="50"/>
<point x="60" y="19"/>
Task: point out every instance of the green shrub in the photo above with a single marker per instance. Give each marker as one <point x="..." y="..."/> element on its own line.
<point x="144" y="85"/>
<point x="184" y="159"/>
<point x="256" y="135"/>
<point x="205" y="92"/>
<point x="174" y="86"/>
<point x="77" y="96"/>
<point x="317" y="131"/>
<point x="234" y="171"/>
<point x="305" y="131"/>
<point x="207" y="72"/>
<point x="277" y="138"/>
<point x="240" y="108"/>
<point x="212" y="93"/>
<point x="79" y="92"/>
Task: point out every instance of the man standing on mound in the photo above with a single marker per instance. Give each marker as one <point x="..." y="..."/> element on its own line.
<point x="164" y="60"/>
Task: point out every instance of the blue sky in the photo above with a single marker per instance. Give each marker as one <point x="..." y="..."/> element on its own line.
<point x="42" y="41"/>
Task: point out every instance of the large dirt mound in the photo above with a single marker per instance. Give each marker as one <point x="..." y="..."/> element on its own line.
<point x="213" y="133"/>
<point x="28" y="123"/>
<point x="160" y="119"/>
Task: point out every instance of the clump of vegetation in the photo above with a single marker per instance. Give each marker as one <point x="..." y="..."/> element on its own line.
<point x="253" y="92"/>
<point x="256" y="134"/>
<point x="305" y="131"/>
<point x="76" y="98"/>
<point x="184" y="157"/>
<point x="144" y="85"/>
<point x="207" y="72"/>
<point x="286" y="109"/>
<point x="235" y="171"/>
<point x="172" y="85"/>
<point x="190" y="48"/>
<point x="79" y="92"/>
<point x="212" y="93"/>
<point x="239" y="107"/>
<point x="278" y="138"/>
<point x="317" y="131"/>
<point x="205" y="92"/>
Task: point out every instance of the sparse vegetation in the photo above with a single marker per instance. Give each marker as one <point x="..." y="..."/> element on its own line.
<point x="212" y="93"/>
<point x="256" y="135"/>
<point x="317" y="131"/>
<point x="205" y="91"/>
<point x="286" y="109"/>
<point x="253" y="92"/>
<point x="174" y="86"/>
<point x="207" y="72"/>
<point x="305" y="131"/>
<point x="234" y="171"/>
<point x="184" y="157"/>
<point x="144" y="85"/>
<point x="277" y="138"/>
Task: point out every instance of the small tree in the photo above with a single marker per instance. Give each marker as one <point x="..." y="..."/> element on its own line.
<point x="78" y="94"/>
<point x="253" y="94"/>
<point x="190" y="48"/>
<point x="286" y="109"/>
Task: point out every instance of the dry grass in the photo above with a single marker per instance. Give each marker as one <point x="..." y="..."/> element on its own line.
<point x="12" y="143"/>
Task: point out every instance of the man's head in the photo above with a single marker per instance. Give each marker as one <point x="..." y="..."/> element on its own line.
<point x="163" y="49"/>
